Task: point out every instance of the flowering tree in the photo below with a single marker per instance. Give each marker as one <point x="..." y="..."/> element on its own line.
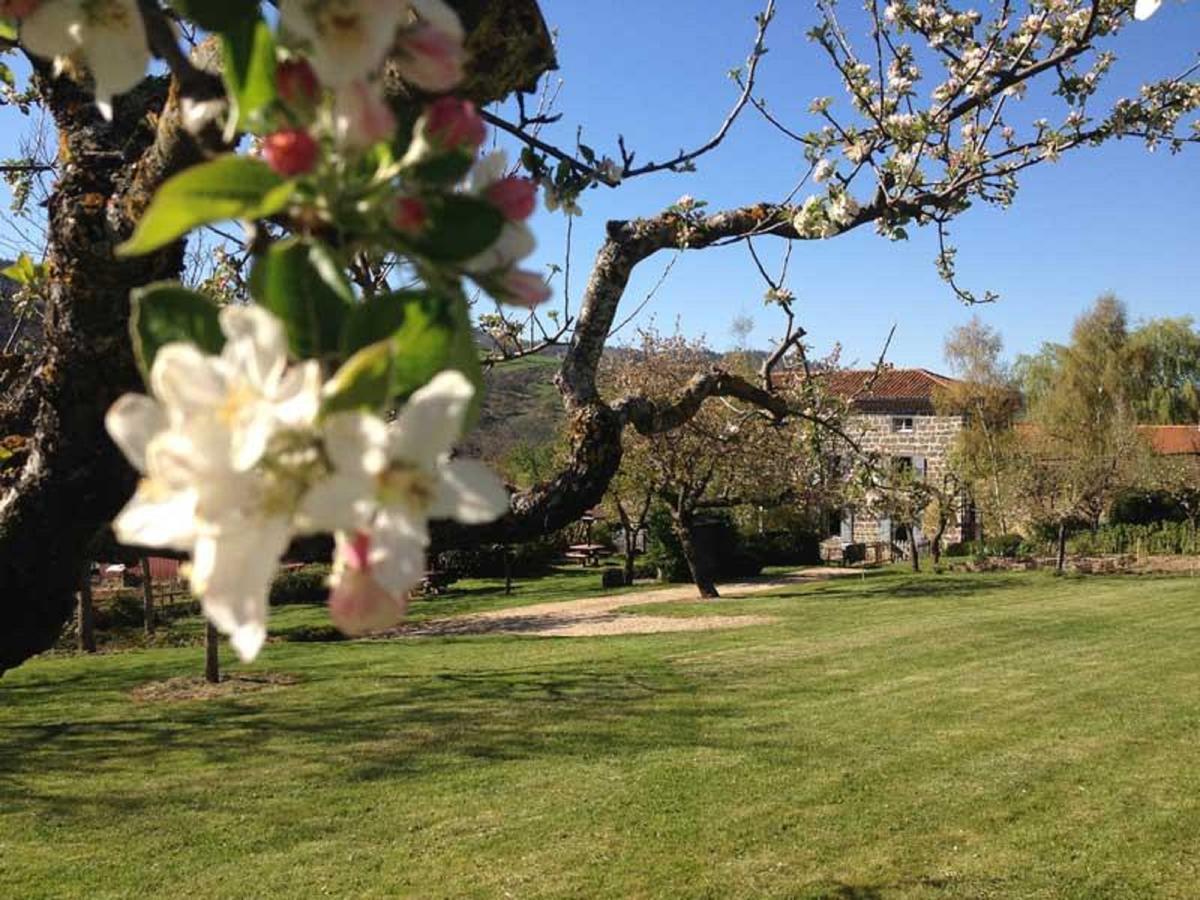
<point x="267" y="420"/>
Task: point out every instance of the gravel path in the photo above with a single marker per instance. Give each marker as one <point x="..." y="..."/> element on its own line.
<point x="594" y="616"/>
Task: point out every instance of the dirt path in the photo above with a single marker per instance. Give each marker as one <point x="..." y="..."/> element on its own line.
<point x="595" y="616"/>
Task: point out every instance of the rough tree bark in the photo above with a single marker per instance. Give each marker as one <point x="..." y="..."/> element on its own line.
<point x="212" y="654"/>
<point x="1061" y="563"/>
<point x="912" y="548"/>
<point x="85" y="624"/>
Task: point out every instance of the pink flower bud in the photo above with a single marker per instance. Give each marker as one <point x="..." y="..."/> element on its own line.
<point x="523" y="288"/>
<point x="410" y="215"/>
<point x="292" y="151"/>
<point x="359" y="604"/>
<point x="433" y="60"/>
<point x="455" y="124"/>
<point x="297" y="84"/>
<point x="515" y="197"/>
<point x="361" y="116"/>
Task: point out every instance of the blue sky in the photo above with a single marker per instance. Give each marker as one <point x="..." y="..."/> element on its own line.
<point x="1114" y="218"/>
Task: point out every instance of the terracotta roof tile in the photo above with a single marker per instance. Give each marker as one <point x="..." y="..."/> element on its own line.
<point x="1173" y="440"/>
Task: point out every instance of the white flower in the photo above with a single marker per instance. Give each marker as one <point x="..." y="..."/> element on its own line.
<point x="389" y="480"/>
<point x="226" y="458"/>
<point x="515" y="243"/>
<point x="1144" y="9"/>
<point x="107" y="34"/>
<point x="348" y="38"/>
<point x="248" y="389"/>
<point x="823" y="171"/>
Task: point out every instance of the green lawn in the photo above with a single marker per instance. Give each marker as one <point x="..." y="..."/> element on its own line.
<point x="969" y="736"/>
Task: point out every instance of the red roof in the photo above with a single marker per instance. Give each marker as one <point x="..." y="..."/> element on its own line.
<point x="886" y="384"/>
<point x="1172" y="440"/>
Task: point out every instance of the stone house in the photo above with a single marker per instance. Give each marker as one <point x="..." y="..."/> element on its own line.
<point x="893" y="415"/>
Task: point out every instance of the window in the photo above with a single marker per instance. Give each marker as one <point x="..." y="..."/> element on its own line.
<point x="901" y="464"/>
<point x="902" y="425"/>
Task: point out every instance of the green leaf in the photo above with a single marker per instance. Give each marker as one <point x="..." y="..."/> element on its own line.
<point x="363" y="382"/>
<point x="25" y="270"/>
<point x="459" y="227"/>
<point x="378" y="318"/>
<point x="217" y="15"/>
<point x="166" y="312"/>
<point x="301" y="283"/>
<point x="231" y="187"/>
<point x="8" y="30"/>
<point x="249" y="71"/>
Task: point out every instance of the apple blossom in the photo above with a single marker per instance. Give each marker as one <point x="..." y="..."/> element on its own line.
<point x="514" y="197"/>
<point x="432" y="59"/>
<point x="524" y="288"/>
<point x="223" y="447"/>
<point x="389" y="480"/>
<point x="348" y="39"/>
<point x="361" y="116"/>
<point x="452" y="123"/>
<point x="1144" y="9"/>
<point x="358" y="603"/>
<point x="292" y="151"/>
<point x="297" y="85"/>
<point x="107" y="34"/>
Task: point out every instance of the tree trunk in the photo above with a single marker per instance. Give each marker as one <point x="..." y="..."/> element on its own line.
<point x="630" y="555"/>
<point x="698" y="564"/>
<point x="935" y="547"/>
<point x="212" y="654"/>
<point x="912" y="548"/>
<point x="507" y="571"/>
<point x="147" y="596"/>
<point x="1062" y="548"/>
<point x="84" y="618"/>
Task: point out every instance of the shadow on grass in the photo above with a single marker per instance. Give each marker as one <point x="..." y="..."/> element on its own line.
<point x="923" y="586"/>
<point x="381" y="727"/>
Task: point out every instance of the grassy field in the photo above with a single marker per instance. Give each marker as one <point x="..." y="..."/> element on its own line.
<point x="943" y="736"/>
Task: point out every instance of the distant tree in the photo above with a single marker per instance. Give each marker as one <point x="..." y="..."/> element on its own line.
<point x="1178" y="477"/>
<point x="1164" y="370"/>
<point x="724" y="455"/>
<point x="630" y="498"/>
<point x="985" y="395"/>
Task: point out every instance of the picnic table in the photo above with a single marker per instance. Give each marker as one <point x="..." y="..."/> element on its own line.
<point x="588" y="554"/>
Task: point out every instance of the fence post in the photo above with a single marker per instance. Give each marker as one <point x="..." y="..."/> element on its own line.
<point x="147" y="596"/>
<point x="212" y="656"/>
<point x="85" y="623"/>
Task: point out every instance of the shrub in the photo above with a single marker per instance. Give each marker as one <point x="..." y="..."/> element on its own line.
<point x="958" y="549"/>
<point x="785" y="548"/>
<point x="121" y="609"/>
<point x="307" y="584"/>
<point x="313" y="634"/>
<point x="1003" y="545"/>
<point x="487" y="561"/>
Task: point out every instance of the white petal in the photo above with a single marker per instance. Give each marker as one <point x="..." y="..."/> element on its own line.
<point x="469" y="492"/>
<point x="440" y="16"/>
<point x="515" y="243"/>
<point x="47" y="30"/>
<point x="187" y="381"/>
<point x="251" y="432"/>
<point x="488" y="170"/>
<point x="299" y="396"/>
<point x="158" y="516"/>
<point x="1144" y="9"/>
<point x="116" y="51"/>
<point x="256" y="345"/>
<point x="356" y="442"/>
<point x="341" y="502"/>
<point x="131" y="422"/>
<point x="397" y="555"/>
<point x="232" y="571"/>
<point x="431" y="422"/>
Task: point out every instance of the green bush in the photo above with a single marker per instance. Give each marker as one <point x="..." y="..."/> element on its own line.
<point x="528" y="560"/>
<point x="1156" y="539"/>
<point x="1007" y="546"/>
<point x="785" y="548"/>
<point x="307" y="584"/>
<point x="958" y="549"/>
<point x="733" y="555"/>
<point x="121" y="609"/>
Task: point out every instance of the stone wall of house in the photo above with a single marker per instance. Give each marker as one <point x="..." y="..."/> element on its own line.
<point x="931" y="439"/>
